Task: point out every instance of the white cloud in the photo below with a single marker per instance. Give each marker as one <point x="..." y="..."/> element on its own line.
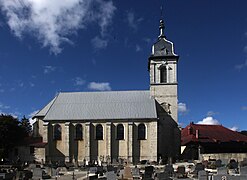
<point x="79" y="81"/>
<point x="32" y="121"/>
<point x="49" y="69"/>
<point x="2" y="106"/>
<point x="99" y="43"/>
<point x="212" y="113"/>
<point x="138" y="48"/>
<point x="103" y="86"/>
<point x="234" y="128"/>
<point x="244" y="108"/>
<point x="51" y="22"/>
<point x="241" y="66"/>
<point x="209" y="121"/>
<point x="132" y="21"/>
<point x="182" y="108"/>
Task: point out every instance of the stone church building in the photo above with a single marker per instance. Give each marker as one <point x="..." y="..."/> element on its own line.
<point x="114" y="125"/>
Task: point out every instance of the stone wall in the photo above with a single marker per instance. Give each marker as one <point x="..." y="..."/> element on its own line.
<point x="225" y="156"/>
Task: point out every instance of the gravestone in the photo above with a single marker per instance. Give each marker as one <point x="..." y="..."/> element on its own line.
<point x="218" y="163"/>
<point x="121" y="173"/>
<point x="243" y="170"/>
<point x="169" y="169"/>
<point x="222" y="170"/>
<point x="37" y="173"/>
<point x="199" y="167"/>
<point x="226" y="177"/>
<point x="114" y="161"/>
<point x="93" y="177"/>
<point x="127" y="172"/>
<point x="148" y="172"/>
<point x="111" y="175"/>
<point x="163" y="176"/>
<point x="202" y="175"/>
<point x="136" y="172"/>
<point x="93" y="170"/>
<point x="180" y="171"/>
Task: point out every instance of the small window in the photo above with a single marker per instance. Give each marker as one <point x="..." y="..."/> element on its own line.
<point x="57" y="132"/>
<point x="120" y="132"/>
<point x="99" y="132"/>
<point x="163" y="75"/>
<point x="78" y="132"/>
<point x="141" y="132"/>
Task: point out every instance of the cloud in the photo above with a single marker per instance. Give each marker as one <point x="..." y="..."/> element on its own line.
<point x="49" y="69"/>
<point x="103" y="86"/>
<point x="99" y="43"/>
<point x="209" y="121"/>
<point x="182" y="108"/>
<point x="2" y="90"/>
<point x="234" y="128"/>
<point x="79" y="81"/>
<point x="2" y="106"/>
<point x="52" y="22"/>
<point x="132" y="21"/>
<point x="212" y="113"/>
<point x="32" y="121"/>
<point x="244" y="108"/>
<point x="138" y="48"/>
<point x="241" y="66"/>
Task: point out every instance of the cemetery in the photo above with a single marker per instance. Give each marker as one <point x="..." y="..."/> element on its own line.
<point x="211" y="169"/>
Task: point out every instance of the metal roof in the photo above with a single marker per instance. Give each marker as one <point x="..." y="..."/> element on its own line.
<point x="100" y="105"/>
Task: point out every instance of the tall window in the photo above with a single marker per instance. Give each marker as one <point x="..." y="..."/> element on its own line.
<point x="78" y="132"/>
<point x="141" y="132"/>
<point x="120" y="132"/>
<point x="163" y="75"/>
<point x="57" y="132"/>
<point x="99" y="132"/>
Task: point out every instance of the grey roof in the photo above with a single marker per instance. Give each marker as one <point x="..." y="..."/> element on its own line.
<point x="100" y="105"/>
<point x="43" y="111"/>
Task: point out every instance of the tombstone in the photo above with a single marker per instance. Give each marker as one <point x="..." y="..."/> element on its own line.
<point x="136" y="172"/>
<point x="199" y="167"/>
<point x="163" y="176"/>
<point x="243" y="170"/>
<point x="218" y="163"/>
<point x="226" y="177"/>
<point x="121" y="173"/>
<point x="93" y="170"/>
<point x="169" y="169"/>
<point x="180" y="171"/>
<point x="100" y="171"/>
<point x="148" y="172"/>
<point x="114" y="161"/>
<point x="127" y="173"/>
<point x="111" y="175"/>
<point x="202" y="175"/>
<point x="222" y="170"/>
<point x="37" y="173"/>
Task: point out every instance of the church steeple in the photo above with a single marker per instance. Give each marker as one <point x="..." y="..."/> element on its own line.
<point x="163" y="73"/>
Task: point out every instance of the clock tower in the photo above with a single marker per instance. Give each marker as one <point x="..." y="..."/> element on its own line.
<point x="163" y="74"/>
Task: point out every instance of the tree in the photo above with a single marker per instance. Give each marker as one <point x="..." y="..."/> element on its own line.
<point x="25" y="124"/>
<point x="11" y="134"/>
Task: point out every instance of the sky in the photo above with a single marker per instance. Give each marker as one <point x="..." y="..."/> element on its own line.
<point x="47" y="47"/>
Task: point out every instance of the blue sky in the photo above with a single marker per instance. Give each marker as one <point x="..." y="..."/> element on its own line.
<point x="82" y="45"/>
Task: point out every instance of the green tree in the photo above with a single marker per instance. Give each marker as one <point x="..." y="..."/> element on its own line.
<point x="11" y="134"/>
<point x="25" y="124"/>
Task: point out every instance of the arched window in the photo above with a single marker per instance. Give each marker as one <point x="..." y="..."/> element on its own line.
<point x="141" y="132"/>
<point x="120" y="132"/>
<point x="163" y="75"/>
<point x="57" y="133"/>
<point x="78" y="132"/>
<point x="99" y="132"/>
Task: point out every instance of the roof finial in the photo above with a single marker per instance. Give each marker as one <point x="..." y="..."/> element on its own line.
<point x="162" y="26"/>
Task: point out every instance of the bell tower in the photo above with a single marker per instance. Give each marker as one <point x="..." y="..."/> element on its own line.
<point x="162" y="66"/>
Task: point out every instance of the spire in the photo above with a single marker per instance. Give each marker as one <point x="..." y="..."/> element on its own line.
<point x="162" y="27"/>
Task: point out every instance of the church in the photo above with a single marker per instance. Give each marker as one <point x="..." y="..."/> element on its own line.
<point x="115" y="125"/>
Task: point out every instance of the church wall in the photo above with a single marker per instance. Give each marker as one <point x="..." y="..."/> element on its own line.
<point x="166" y="94"/>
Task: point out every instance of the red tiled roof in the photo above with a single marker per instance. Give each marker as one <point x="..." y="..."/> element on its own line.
<point x="210" y="133"/>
